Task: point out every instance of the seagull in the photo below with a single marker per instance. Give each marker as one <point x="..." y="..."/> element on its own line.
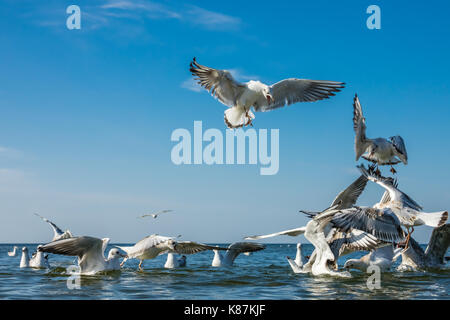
<point x="154" y="245"/>
<point x="382" y="257"/>
<point x="408" y="211"/>
<point x="232" y="252"/>
<point x="380" y="150"/>
<point x="38" y="260"/>
<point x="90" y="253"/>
<point x="414" y="257"/>
<point x="240" y="97"/>
<point x="155" y="215"/>
<point x="174" y="262"/>
<point x="300" y="260"/>
<point x="14" y="252"/>
<point x="58" y="234"/>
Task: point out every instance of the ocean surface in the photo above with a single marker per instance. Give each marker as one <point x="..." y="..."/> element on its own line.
<point x="263" y="275"/>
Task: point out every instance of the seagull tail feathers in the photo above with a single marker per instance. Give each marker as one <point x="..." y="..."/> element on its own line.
<point x="433" y="219"/>
<point x="236" y="118"/>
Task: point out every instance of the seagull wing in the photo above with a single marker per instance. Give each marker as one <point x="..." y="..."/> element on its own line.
<point x="343" y="243"/>
<point x="438" y="244"/>
<point x="399" y="148"/>
<point x="359" y="126"/>
<point x="292" y="232"/>
<point x="383" y="224"/>
<point x="56" y="231"/>
<point x="238" y="247"/>
<point x="190" y="247"/>
<point x="77" y="246"/>
<point x="220" y="83"/>
<point x="350" y="195"/>
<point x="289" y="91"/>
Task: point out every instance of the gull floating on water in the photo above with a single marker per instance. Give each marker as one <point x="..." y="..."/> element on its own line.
<point x="155" y="215"/>
<point x="240" y="97"/>
<point x="154" y="245"/>
<point x="174" y="262"/>
<point x="14" y="252"/>
<point x="58" y="234"/>
<point x="90" y="253"/>
<point x="38" y="260"/>
<point x="300" y="260"/>
<point x="380" y="150"/>
<point x="233" y="251"/>
<point x="409" y="213"/>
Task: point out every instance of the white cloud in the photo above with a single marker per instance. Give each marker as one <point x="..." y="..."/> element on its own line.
<point x="191" y="85"/>
<point x="212" y="20"/>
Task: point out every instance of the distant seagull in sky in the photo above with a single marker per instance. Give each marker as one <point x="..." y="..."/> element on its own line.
<point x="58" y="234"/>
<point x="233" y="251"/>
<point x="90" y="253"/>
<point x="240" y="97"/>
<point x="14" y="252"/>
<point x="156" y="214"/>
<point x="380" y="150"/>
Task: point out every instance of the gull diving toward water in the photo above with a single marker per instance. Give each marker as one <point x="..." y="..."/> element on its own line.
<point x="14" y="252"/>
<point x="408" y="211"/>
<point x="90" y="253"/>
<point x="232" y="252"/>
<point x="380" y="150"/>
<point x="58" y="234"/>
<point x="154" y="245"/>
<point x="38" y="259"/>
<point x="240" y="97"/>
<point x="155" y="215"/>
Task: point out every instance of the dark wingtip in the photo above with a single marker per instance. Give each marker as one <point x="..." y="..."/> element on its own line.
<point x="443" y="219"/>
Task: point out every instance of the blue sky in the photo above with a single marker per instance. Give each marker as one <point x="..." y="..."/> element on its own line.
<point x="86" y="115"/>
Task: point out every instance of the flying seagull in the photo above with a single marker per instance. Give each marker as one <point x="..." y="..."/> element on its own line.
<point x="90" y="253"/>
<point x="380" y="150"/>
<point x="408" y="211"/>
<point x="232" y="252"/>
<point x="58" y="234"/>
<point x="241" y="97"/>
<point x="154" y="245"/>
<point x="155" y="215"/>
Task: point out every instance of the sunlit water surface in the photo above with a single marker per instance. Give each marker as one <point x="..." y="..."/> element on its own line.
<point x="263" y="275"/>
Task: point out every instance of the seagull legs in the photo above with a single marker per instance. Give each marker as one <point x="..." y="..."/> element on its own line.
<point x="140" y="265"/>
<point x="249" y="119"/>
<point x="393" y="170"/>
<point x="408" y="237"/>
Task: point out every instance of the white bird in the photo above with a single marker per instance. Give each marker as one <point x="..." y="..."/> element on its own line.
<point x="299" y="261"/>
<point x="232" y="252"/>
<point x="408" y="211"/>
<point x="240" y="97"/>
<point x="380" y="150"/>
<point x="174" y="262"/>
<point x="38" y="260"/>
<point x="90" y="253"/>
<point x="58" y="234"/>
<point x="155" y="215"/>
<point x="382" y="257"/>
<point x="13" y="252"/>
<point x="154" y="245"/>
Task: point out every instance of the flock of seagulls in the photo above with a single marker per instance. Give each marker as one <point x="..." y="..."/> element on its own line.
<point x="342" y="228"/>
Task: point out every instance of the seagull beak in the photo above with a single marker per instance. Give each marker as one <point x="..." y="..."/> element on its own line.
<point x="123" y="255"/>
<point x="269" y="98"/>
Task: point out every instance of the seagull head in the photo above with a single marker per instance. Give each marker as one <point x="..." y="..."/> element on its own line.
<point x="171" y="244"/>
<point x="268" y="95"/>
<point x="115" y="253"/>
<point x="24" y="249"/>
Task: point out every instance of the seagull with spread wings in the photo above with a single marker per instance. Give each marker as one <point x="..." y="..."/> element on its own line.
<point x="90" y="253"/>
<point x="240" y="97"/>
<point x="408" y="211"/>
<point x="380" y="150"/>
<point x="156" y="214"/>
<point x="232" y="252"/>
